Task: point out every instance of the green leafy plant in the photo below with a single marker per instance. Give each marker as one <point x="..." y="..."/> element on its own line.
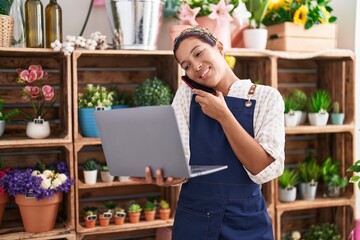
<point x="95" y="96"/>
<point x="104" y="168"/>
<point x="355" y="168"/>
<point x="5" y="6"/>
<point x="149" y="206"/>
<point x="153" y="92"/>
<point x="299" y="97"/>
<point x="289" y="178"/>
<point x="204" y="6"/>
<point x="110" y="205"/>
<point x="319" y="101"/>
<point x="330" y="173"/>
<point x="134" y="207"/>
<point x="91" y="164"/>
<point x="164" y="204"/>
<point x="257" y="8"/>
<point x="307" y="13"/>
<point x="119" y="210"/>
<point x="89" y="211"/>
<point x="291" y="104"/>
<point x="309" y="171"/>
<point x="9" y="115"/>
<point x="121" y="98"/>
<point x="328" y="231"/>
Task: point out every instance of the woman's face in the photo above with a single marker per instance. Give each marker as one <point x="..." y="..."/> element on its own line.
<point x="201" y="62"/>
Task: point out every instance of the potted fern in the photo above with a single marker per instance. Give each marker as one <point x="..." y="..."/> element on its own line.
<point x="336" y="116"/>
<point x="330" y="173"/>
<point x="287" y="183"/>
<point x="309" y="172"/>
<point x="90" y="171"/>
<point x="318" y="106"/>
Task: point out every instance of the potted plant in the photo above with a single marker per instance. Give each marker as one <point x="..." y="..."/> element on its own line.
<point x="330" y="173"/>
<point x="309" y="172"/>
<point x="255" y="36"/>
<point x="336" y="116"/>
<point x="119" y="216"/>
<point x="95" y="98"/>
<point x="90" y="170"/>
<point x="134" y="212"/>
<point x="105" y="216"/>
<point x="38" y="193"/>
<point x="164" y="210"/>
<point x="149" y="211"/>
<point x="121" y="100"/>
<point x="355" y="168"/>
<point x="287" y="182"/>
<point x="5" y="117"/>
<point x="323" y="231"/>
<point x="301" y="99"/>
<point x="38" y="94"/>
<point x="105" y="174"/>
<point x="90" y="216"/>
<point x="318" y="106"/>
<point x="7" y="23"/>
<point x="153" y="92"/>
<point x="4" y="196"/>
<point x="292" y="113"/>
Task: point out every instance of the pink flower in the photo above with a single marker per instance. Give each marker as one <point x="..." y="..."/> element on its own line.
<point x="220" y="12"/>
<point x="32" y="91"/>
<point x="187" y="15"/>
<point x="38" y="70"/>
<point x="48" y="92"/>
<point x="28" y="76"/>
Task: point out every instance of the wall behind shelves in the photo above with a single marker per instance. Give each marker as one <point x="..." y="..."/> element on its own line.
<point x="74" y="14"/>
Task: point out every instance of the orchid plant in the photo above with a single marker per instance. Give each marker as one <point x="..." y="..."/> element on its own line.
<point x="36" y="92"/>
<point x="41" y="182"/>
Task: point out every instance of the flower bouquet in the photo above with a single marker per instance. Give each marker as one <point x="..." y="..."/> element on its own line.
<point x="37" y="93"/>
<point x="38" y="192"/>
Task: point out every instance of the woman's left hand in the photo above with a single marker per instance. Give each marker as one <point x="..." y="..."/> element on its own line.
<point x="213" y="106"/>
<point x="158" y="179"/>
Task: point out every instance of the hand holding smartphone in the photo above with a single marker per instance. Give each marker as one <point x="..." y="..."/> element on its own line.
<point x="192" y="84"/>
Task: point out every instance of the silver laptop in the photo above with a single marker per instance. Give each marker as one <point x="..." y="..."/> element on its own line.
<point x="133" y="138"/>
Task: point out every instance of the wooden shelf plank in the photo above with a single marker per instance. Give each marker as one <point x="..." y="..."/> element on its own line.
<point x="34" y="142"/>
<point x="330" y="128"/>
<point x="87" y="141"/>
<point x="126" y="227"/>
<point x="317" y="203"/>
<point x="18" y="233"/>
<point x="82" y="185"/>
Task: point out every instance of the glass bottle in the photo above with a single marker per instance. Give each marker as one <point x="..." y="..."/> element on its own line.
<point x="53" y="20"/>
<point x="17" y="12"/>
<point x="34" y="24"/>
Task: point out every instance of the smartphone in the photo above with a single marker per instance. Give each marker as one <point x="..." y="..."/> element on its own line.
<point x="192" y="84"/>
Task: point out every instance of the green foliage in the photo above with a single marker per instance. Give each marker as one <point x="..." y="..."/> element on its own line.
<point x="104" y="168"/>
<point x="2" y="164"/>
<point x="319" y="101"/>
<point x="90" y="210"/>
<point x="355" y="168"/>
<point x="95" y="96"/>
<point x="110" y="205"/>
<point x="9" y="115"/>
<point x="328" y="231"/>
<point x="300" y="98"/>
<point x="5" y="6"/>
<point x="289" y="178"/>
<point x="336" y="107"/>
<point x="91" y="164"/>
<point x="257" y="8"/>
<point x="134" y="207"/>
<point x="309" y="171"/>
<point x="149" y="206"/>
<point x="119" y="209"/>
<point x="153" y="92"/>
<point x="121" y="98"/>
<point x="164" y="204"/>
<point x="290" y="104"/>
<point x="204" y="5"/>
<point x="330" y="173"/>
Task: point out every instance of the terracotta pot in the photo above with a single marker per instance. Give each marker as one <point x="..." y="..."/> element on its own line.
<point x="3" y="200"/>
<point x="149" y="215"/>
<point x="119" y="220"/>
<point x="165" y="214"/>
<point x="38" y="215"/>
<point x="104" y="221"/>
<point x="221" y="31"/>
<point x="89" y="224"/>
<point x="134" y="217"/>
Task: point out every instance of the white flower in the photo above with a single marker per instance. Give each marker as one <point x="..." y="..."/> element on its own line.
<point x="35" y="173"/>
<point x="296" y="235"/>
<point x="62" y="177"/>
<point x="55" y="183"/>
<point x="46" y="183"/>
<point x="43" y="177"/>
<point x="48" y="173"/>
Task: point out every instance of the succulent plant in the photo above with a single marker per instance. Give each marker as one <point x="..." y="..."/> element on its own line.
<point x="319" y="101"/>
<point x="164" y="204"/>
<point x="149" y="206"/>
<point x="336" y="107"/>
<point x="289" y="178"/>
<point x="91" y="164"/>
<point x="134" y="207"/>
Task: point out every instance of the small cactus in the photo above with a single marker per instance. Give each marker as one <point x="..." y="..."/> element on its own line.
<point x="91" y="164"/>
<point x="336" y="107"/>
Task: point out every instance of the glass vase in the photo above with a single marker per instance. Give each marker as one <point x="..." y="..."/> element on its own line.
<point x="53" y="22"/>
<point x="34" y="21"/>
<point x="17" y="12"/>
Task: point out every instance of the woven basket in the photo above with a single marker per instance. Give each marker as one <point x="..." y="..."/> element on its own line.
<point x="6" y="30"/>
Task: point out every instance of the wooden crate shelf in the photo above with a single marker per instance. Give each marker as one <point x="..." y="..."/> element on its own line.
<point x="330" y="128"/>
<point x="60" y="116"/>
<point x="60" y="233"/>
<point x="100" y="184"/>
<point x="317" y="203"/>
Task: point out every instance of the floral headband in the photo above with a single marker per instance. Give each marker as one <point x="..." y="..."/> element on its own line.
<point x="197" y="30"/>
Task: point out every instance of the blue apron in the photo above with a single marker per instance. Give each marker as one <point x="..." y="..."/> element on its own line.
<point x="226" y="204"/>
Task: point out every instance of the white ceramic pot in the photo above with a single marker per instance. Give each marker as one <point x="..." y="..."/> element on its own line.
<point x="287" y="194"/>
<point x="106" y="177"/>
<point x="292" y="118"/>
<point x="2" y="127"/>
<point x="38" y="129"/>
<point x="308" y="190"/>
<point x="90" y="176"/>
<point x="303" y="118"/>
<point x="318" y="119"/>
<point x="255" y="38"/>
<point x="123" y="178"/>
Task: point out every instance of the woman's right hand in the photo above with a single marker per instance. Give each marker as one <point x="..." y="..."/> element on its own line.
<point x="158" y="179"/>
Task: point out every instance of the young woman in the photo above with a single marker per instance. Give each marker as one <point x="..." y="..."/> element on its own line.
<point x="241" y="126"/>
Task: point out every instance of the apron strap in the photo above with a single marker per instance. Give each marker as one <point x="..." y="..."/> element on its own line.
<point x="251" y="92"/>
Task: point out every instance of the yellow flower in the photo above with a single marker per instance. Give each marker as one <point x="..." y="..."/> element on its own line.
<point x="230" y="61"/>
<point x="300" y="16"/>
<point x="327" y="16"/>
<point x="276" y="4"/>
